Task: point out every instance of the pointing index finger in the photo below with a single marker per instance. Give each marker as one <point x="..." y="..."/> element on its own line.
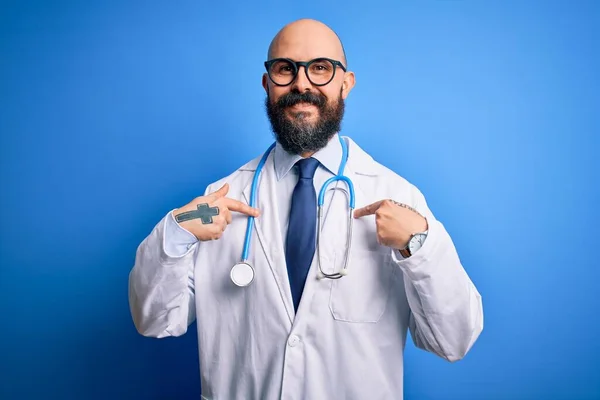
<point x="367" y="210"/>
<point x="235" y="205"/>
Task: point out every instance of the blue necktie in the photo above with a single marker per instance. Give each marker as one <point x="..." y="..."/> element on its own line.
<point x="300" y="244"/>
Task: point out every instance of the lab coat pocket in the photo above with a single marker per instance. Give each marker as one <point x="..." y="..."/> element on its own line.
<point x="362" y="295"/>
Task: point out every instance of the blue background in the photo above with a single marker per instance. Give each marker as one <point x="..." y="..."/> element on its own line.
<point x="112" y="113"/>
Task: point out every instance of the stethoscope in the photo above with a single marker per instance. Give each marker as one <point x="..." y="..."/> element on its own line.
<point x="242" y="273"/>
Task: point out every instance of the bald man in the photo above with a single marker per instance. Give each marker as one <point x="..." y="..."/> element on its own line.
<point x="310" y="312"/>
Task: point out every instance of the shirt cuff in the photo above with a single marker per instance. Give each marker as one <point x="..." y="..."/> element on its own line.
<point x="178" y="240"/>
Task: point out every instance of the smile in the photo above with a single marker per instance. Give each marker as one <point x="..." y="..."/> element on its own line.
<point x="303" y="105"/>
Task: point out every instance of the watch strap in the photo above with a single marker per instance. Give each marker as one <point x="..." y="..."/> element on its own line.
<point x="405" y="252"/>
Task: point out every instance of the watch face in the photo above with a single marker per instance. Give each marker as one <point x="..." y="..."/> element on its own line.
<point x="416" y="242"/>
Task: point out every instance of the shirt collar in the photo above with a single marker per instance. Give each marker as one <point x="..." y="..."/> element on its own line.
<point x="329" y="157"/>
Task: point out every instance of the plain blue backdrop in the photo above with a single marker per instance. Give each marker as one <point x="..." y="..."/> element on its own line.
<point x="113" y="113"/>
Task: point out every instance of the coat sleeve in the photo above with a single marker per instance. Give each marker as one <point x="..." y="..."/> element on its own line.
<point x="161" y="282"/>
<point x="446" y="315"/>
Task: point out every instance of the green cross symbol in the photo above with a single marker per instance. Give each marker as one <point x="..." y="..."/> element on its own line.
<point x="204" y="212"/>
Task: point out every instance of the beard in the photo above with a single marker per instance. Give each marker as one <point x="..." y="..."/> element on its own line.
<point x="297" y="135"/>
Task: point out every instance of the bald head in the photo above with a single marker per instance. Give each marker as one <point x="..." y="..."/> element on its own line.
<point x="306" y="39"/>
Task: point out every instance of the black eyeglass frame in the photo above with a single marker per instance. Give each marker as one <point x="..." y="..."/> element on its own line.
<point x="306" y="65"/>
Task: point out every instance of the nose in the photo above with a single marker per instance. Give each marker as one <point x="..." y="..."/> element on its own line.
<point x="301" y="83"/>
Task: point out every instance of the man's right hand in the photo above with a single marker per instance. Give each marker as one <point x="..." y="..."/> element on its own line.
<point x="206" y="217"/>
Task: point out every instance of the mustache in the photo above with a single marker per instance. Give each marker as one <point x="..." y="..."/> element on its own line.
<point x="293" y="98"/>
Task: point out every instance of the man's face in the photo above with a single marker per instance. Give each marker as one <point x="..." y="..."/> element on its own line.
<point x="304" y="116"/>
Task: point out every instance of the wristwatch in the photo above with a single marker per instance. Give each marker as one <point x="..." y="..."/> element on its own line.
<point x="414" y="244"/>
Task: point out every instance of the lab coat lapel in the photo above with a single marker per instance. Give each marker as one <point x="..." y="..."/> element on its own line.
<point x="336" y="210"/>
<point x="359" y="161"/>
<point x="268" y="231"/>
<point x="360" y="198"/>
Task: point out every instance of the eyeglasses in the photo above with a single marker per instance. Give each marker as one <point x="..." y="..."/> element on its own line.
<point x="320" y="71"/>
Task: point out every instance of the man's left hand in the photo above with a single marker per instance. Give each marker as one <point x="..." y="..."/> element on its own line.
<point x="396" y="222"/>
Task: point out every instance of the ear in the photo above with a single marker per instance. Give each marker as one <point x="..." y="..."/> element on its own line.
<point x="265" y="82"/>
<point x="347" y="84"/>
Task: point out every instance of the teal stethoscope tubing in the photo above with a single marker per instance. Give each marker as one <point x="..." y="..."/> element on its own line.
<point x="339" y="177"/>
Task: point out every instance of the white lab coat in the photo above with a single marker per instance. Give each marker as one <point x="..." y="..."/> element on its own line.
<point x="348" y="337"/>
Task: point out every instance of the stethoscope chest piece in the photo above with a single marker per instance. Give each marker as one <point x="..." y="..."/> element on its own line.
<point x="242" y="274"/>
